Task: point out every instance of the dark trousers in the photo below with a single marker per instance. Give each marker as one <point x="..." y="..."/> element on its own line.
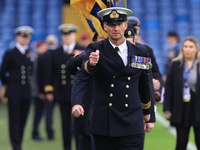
<point x="38" y="111"/>
<point x="133" y="142"/>
<point x="182" y="137"/>
<point x="65" y="110"/>
<point x="49" y="119"/>
<point x="18" y="112"/>
<point x="84" y="142"/>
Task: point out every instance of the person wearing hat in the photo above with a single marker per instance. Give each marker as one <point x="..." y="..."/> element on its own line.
<point x="59" y="80"/>
<point x="39" y="99"/>
<point x="118" y="114"/>
<point x="44" y="62"/>
<point x="173" y="51"/>
<point x="15" y="74"/>
<point x="73" y="65"/>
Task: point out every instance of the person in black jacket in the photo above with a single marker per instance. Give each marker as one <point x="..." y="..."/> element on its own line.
<point x="39" y="99"/>
<point x="44" y="62"/>
<point x="73" y="65"/>
<point x="118" y="114"/>
<point x="182" y="93"/>
<point x="15" y="73"/>
<point x="60" y="81"/>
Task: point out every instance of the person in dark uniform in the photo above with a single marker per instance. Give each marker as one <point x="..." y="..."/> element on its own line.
<point x="73" y="65"/>
<point x="44" y="62"/>
<point x="173" y="51"/>
<point x="15" y="73"/>
<point x="39" y="99"/>
<point x="60" y="81"/>
<point x="118" y="114"/>
<point x="182" y="93"/>
<point x="129" y="34"/>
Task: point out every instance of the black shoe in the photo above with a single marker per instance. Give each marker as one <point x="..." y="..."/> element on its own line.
<point x="38" y="138"/>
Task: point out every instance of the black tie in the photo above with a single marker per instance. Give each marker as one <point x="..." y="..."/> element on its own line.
<point x="117" y="49"/>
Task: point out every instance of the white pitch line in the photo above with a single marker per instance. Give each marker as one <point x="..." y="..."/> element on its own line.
<point x="166" y="124"/>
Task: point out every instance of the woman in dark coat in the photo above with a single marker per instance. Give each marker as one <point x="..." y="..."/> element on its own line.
<point x="182" y="93"/>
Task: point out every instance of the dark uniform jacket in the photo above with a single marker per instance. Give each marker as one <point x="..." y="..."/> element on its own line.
<point x="60" y="81"/>
<point x="44" y="62"/>
<point x="16" y="71"/>
<point x="173" y="97"/>
<point x="117" y="109"/>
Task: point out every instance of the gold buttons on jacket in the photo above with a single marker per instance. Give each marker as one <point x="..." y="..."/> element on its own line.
<point x="23" y="77"/>
<point x="127" y="86"/>
<point x="29" y="67"/>
<point x="63" y="66"/>
<point x="23" y="82"/>
<point x="112" y="85"/>
<point x="63" y="76"/>
<point x="110" y="104"/>
<point x="72" y="76"/>
<point x="63" y="71"/>
<point x="111" y="95"/>
<point x="72" y="81"/>
<point x="22" y="67"/>
<point x="126" y="95"/>
<point x="113" y="76"/>
<point x="23" y="72"/>
<point x="64" y="82"/>
<point x="126" y="105"/>
<point x="129" y="78"/>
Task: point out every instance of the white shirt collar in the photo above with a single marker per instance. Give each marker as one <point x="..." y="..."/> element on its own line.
<point x="69" y="48"/>
<point x="21" y="48"/>
<point x="121" y="47"/>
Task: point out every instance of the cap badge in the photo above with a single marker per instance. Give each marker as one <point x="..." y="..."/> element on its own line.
<point x="138" y="24"/>
<point x="27" y="32"/>
<point x="65" y="30"/>
<point x="114" y="14"/>
<point x="129" y="33"/>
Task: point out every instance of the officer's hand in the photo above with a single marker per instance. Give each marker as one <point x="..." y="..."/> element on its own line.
<point x="94" y="58"/>
<point x="156" y="84"/>
<point x="146" y="118"/>
<point x="41" y="96"/>
<point x="148" y="126"/>
<point x="77" y="110"/>
<point x="49" y="97"/>
<point x="168" y="116"/>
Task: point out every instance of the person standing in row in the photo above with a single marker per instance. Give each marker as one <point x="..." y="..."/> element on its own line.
<point x="60" y="81"/>
<point x="182" y="93"/>
<point x="44" y="62"/>
<point x="39" y="99"/>
<point x="15" y="73"/>
<point x="117" y="118"/>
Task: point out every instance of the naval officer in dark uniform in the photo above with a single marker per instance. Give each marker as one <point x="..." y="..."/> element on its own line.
<point x="60" y="81"/>
<point x="15" y="73"/>
<point x="118" y="113"/>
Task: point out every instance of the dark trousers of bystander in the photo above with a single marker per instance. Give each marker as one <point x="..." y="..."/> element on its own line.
<point x="18" y="111"/>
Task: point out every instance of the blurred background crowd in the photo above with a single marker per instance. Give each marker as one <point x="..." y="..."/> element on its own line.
<point x="164" y="26"/>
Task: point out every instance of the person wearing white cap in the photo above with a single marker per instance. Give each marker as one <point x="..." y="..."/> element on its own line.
<point x="15" y="74"/>
<point x="115" y="65"/>
<point x="60" y="81"/>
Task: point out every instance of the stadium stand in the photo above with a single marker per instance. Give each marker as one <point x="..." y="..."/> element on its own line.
<point x="157" y="17"/>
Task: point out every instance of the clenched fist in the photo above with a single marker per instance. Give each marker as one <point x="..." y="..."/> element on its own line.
<point x="94" y="58"/>
<point x="77" y="110"/>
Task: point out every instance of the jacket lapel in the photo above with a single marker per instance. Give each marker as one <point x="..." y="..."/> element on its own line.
<point x="110" y="52"/>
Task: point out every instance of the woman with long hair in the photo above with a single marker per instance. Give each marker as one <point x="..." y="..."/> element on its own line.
<point x="182" y="93"/>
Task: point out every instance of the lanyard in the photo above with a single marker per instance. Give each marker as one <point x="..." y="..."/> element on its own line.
<point x="186" y="73"/>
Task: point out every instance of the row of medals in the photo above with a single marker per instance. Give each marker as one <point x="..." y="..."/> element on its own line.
<point x="138" y="65"/>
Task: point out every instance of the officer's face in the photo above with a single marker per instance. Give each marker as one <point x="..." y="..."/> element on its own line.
<point x="23" y="40"/>
<point x="116" y="31"/>
<point x="69" y="38"/>
<point x="189" y="50"/>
